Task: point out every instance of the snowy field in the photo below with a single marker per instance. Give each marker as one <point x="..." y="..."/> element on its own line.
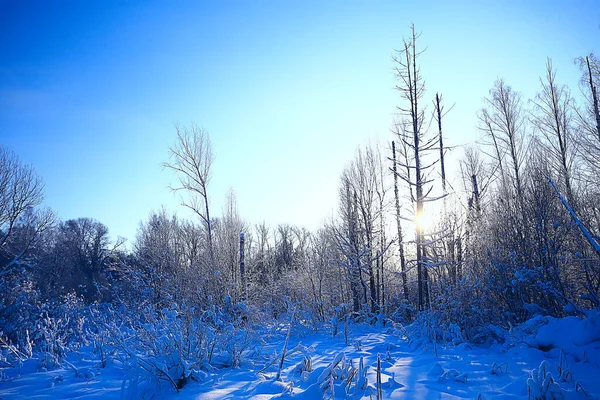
<point x="543" y="358"/>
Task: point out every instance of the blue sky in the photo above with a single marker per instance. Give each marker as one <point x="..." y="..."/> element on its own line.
<point x="90" y="90"/>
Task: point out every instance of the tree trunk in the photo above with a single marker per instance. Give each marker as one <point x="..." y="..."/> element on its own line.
<point x="594" y="96"/>
<point x="242" y="267"/>
<point x="421" y="267"/>
<point x="353" y="254"/>
<point x="399" y="226"/>
<point x="439" y="120"/>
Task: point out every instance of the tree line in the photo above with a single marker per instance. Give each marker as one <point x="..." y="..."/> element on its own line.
<point x="502" y="246"/>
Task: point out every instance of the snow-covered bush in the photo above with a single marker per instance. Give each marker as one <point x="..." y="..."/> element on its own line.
<point x="182" y="342"/>
<point x="170" y="345"/>
<point x="20" y="305"/>
<point x="542" y="385"/>
<point x="46" y="329"/>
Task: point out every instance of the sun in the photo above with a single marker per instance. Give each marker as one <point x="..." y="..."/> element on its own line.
<point x="425" y="220"/>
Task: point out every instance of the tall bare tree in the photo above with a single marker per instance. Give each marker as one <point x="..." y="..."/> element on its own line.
<point x="591" y="69"/>
<point x="588" y="123"/>
<point x="361" y="175"/>
<point x="347" y="242"/>
<point x="552" y="118"/>
<point x="503" y="120"/>
<point x="381" y="190"/>
<point x="438" y="115"/>
<point x="191" y="157"/>
<point x="412" y="133"/>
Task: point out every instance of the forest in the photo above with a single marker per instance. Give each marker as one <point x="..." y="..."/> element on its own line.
<point x="512" y="247"/>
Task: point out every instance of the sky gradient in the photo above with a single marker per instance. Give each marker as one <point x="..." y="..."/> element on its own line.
<point x="90" y="91"/>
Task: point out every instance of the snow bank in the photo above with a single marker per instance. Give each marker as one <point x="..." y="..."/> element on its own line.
<point x="568" y="333"/>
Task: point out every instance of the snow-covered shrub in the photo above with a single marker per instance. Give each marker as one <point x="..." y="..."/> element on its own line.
<point x="305" y="320"/>
<point x="341" y="378"/>
<point x="12" y="357"/>
<point x="172" y="344"/>
<point x="20" y="305"/>
<point x="365" y="315"/>
<point x="541" y="384"/>
<point x="306" y="365"/>
<point x="63" y="326"/>
<point x="524" y="333"/>
<point x="457" y="312"/>
<point x="51" y="340"/>
<point x="180" y="343"/>
<point x="45" y="330"/>
<point x="236" y="343"/>
<point x="424" y="329"/>
<point x="337" y="373"/>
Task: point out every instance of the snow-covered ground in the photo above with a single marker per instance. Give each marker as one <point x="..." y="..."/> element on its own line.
<point x="556" y="358"/>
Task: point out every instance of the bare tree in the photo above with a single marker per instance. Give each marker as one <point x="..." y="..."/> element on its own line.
<point x="242" y="268"/>
<point x="227" y="237"/>
<point x="438" y="115"/>
<point x="191" y="157"/>
<point x="21" y="191"/>
<point x="503" y="120"/>
<point x="399" y="225"/>
<point x="382" y="206"/>
<point x="552" y="118"/>
<point x="227" y="232"/>
<point x="321" y="270"/>
<point x="588" y="123"/>
<point x="412" y="134"/>
<point x="190" y="243"/>
<point x="347" y="242"/>
<point x="84" y="246"/>
<point x="476" y="177"/>
<point x="590" y="66"/>
<point x="262" y="260"/>
<point x="361" y="175"/>
<point x="156" y="244"/>
<point x="284" y="249"/>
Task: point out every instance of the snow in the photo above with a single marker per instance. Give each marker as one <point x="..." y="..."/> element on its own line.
<point x="551" y="357"/>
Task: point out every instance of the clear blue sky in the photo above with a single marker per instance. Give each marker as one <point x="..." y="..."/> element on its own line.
<point x="90" y="90"/>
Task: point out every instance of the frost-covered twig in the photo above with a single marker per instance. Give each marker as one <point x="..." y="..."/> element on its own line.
<point x="297" y="349"/>
<point x="287" y="339"/>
